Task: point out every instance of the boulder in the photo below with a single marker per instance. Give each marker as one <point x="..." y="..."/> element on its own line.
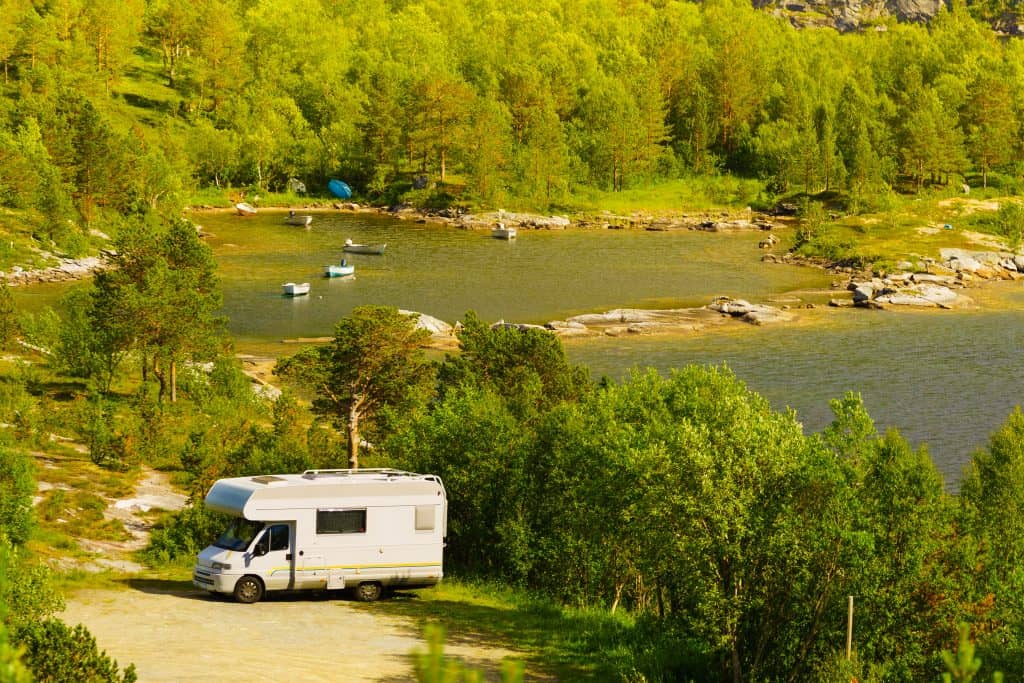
<point x="434" y="326"/>
<point x="757" y="314"/>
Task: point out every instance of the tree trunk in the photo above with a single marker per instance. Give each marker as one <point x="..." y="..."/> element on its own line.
<point x="619" y="585"/>
<point x="737" y="676"/>
<point x="162" y="378"/>
<point x="174" y="382"/>
<point x="353" y="438"/>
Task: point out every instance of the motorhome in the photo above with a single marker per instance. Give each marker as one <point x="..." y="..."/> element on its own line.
<point x="366" y="530"/>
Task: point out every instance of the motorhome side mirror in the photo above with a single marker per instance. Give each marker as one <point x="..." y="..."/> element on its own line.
<point x="260" y="550"/>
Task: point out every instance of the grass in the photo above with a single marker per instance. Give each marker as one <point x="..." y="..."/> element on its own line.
<point x="19" y="246"/>
<point x="567" y="644"/>
<point x="696" y="194"/>
<point x="913" y="227"/>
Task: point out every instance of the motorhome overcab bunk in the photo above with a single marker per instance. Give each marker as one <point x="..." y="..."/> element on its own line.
<point x="365" y="530"/>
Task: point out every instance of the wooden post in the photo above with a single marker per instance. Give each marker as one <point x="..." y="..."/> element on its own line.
<point x="849" y="626"/>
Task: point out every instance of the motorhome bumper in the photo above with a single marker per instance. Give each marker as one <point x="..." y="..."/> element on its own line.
<point x="209" y="581"/>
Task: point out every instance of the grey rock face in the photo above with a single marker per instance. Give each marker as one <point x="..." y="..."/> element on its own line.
<point x="850" y="15"/>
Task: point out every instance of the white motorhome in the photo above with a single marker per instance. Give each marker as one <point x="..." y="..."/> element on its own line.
<point x="365" y="530"/>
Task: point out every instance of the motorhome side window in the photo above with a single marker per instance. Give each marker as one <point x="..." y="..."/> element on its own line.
<point x="341" y="521"/>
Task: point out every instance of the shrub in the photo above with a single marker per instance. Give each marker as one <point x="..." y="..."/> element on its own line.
<point x="55" y="651"/>
<point x="17" y="485"/>
<point x="181" y="535"/>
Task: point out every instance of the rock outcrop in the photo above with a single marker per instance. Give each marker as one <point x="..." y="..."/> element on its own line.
<point x="66" y="269"/>
<point x="850" y="15"/>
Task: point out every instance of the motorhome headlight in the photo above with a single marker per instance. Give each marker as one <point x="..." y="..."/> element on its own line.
<point x="220" y="565"/>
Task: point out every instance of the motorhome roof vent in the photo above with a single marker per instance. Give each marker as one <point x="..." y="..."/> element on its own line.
<point x="268" y="479"/>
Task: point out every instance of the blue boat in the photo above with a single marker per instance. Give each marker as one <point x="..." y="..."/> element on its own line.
<point x="339" y="189"/>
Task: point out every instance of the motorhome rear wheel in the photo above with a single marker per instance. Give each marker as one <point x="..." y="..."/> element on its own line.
<point x="249" y="589"/>
<point x="368" y="592"/>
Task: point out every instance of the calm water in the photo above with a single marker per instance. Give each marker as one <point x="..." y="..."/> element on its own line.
<point x="445" y="272"/>
<point x="947" y="381"/>
<point x="944" y="379"/>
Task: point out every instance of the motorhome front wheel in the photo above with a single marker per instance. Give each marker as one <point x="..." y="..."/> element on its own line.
<point x="249" y="589"/>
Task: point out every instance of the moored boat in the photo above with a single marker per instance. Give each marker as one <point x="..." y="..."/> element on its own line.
<point x="353" y="248"/>
<point x="345" y="269"/>
<point x="245" y="209"/>
<point x="302" y="220"/>
<point x="293" y="289"/>
<point x="502" y="232"/>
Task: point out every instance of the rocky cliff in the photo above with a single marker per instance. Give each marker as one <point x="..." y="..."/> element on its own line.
<point x="850" y="15"/>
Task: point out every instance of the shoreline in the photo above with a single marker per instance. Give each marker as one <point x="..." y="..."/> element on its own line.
<point x="927" y="283"/>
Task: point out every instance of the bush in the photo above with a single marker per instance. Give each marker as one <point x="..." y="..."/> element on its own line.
<point x="17" y="486"/>
<point x="27" y="593"/>
<point x="181" y="535"/>
<point x="56" y="652"/>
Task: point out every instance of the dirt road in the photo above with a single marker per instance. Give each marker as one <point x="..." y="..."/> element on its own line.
<point x="174" y="634"/>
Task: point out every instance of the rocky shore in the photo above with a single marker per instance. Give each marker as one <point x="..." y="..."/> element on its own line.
<point x="65" y="269"/>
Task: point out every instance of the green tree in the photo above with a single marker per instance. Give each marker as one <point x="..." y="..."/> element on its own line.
<point x="488" y="150"/>
<point x="173" y="25"/>
<point x="932" y="142"/>
<point x="9" y="327"/>
<point x="526" y="367"/>
<point x="160" y="299"/>
<point x="17" y="486"/>
<point x="55" y="651"/>
<point x="990" y="121"/>
<point x="481" y="451"/>
<point x="374" y="364"/>
<point x="992" y="514"/>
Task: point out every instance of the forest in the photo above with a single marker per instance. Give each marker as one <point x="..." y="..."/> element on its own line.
<point x="112" y="111"/>
<point x="729" y="537"/>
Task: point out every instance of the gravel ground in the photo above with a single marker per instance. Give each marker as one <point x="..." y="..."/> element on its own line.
<point x="184" y="635"/>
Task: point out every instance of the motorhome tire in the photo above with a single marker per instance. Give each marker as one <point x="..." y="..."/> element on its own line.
<point x="249" y="589"/>
<point x="368" y="592"/>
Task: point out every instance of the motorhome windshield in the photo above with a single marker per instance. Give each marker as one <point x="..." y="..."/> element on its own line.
<point x="239" y="535"/>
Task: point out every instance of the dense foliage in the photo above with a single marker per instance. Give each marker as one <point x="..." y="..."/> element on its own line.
<point x="733" y="536"/>
<point x="122" y="109"/>
<point x="33" y="644"/>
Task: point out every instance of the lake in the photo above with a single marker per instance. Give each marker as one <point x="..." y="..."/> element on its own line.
<point x="943" y="378"/>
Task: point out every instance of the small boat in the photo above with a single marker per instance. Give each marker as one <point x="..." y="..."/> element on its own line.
<point x="339" y="189"/>
<point x="344" y="270"/>
<point x="503" y="233"/>
<point x="245" y="209"/>
<point x="353" y="248"/>
<point x="302" y="220"/>
<point x="292" y="289"/>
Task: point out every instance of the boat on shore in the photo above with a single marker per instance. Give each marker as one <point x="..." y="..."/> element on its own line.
<point x="353" y="248"/>
<point x="339" y="189"/>
<point x="344" y="269"/>
<point x="293" y="289"/>
<point x="501" y="232"/>
<point x="245" y="209"/>
<point x="302" y="220"/>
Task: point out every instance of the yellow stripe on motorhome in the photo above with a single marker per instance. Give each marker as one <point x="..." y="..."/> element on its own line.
<point x="356" y="566"/>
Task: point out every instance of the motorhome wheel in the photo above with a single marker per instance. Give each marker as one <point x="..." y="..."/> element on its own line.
<point x="368" y="592"/>
<point x="249" y="589"/>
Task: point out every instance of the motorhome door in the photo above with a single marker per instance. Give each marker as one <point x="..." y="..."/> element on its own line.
<point x="272" y="557"/>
